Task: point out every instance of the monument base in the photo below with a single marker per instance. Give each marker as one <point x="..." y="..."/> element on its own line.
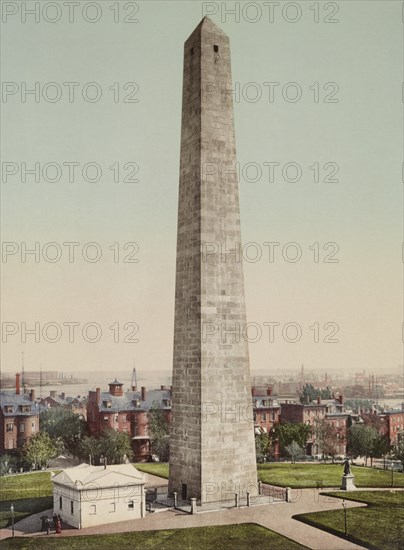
<point x="347" y="483"/>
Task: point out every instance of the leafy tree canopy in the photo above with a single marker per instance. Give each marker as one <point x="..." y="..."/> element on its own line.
<point x="309" y="393"/>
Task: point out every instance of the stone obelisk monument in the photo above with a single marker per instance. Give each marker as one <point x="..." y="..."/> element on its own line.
<point x="212" y="449"/>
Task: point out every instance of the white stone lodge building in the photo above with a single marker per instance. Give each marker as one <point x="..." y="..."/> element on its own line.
<point x="86" y="495"/>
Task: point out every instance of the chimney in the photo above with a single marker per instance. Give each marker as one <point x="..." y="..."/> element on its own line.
<point x="134" y="388"/>
<point x="318" y="400"/>
<point x="17" y="383"/>
<point x="32" y="395"/>
<point x="63" y="395"/>
<point x="269" y="390"/>
<point x="341" y="398"/>
<point x="98" y="396"/>
<point x="143" y="390"/>
<point x="163" y="387"/>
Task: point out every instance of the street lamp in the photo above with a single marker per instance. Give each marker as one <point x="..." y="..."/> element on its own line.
<point x="12" y="519"/>
<point x="392" y="475"/>
<point x="345" y="519"/>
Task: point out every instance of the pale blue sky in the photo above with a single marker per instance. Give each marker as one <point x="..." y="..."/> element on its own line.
<point x="362" y="213"/>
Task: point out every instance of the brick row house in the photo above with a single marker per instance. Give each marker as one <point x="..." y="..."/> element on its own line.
<point x="332" y="411"/>
<point x="77" y="405"/>
<point x="393" y="425"/>
<point x="127" y="412"/>
<point x="266" y="412"/>
<point x="388" y="423"/>
<point x="19" y="418"/>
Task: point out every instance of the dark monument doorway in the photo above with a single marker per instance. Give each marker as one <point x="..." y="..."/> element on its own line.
<point x="184" y="491"/>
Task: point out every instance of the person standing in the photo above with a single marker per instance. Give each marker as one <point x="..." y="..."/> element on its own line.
<point x="58" y="524"/>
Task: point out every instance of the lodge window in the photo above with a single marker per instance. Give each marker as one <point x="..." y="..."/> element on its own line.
<point x="131" y="505"/>
<point x="112" y="507"/>
<point x="92" y="510"/>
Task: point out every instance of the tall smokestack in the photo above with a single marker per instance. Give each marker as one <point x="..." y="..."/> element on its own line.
<point x="17" y="383"/>
<point x="143" y="390"/>
<point x="32" y="395"/>
<point x="269" y="390"/>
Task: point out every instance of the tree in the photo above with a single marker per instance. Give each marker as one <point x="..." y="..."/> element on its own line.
<point x="327" y="437"/>
<point x="262" y="444"/>
<point x="115" y="446"/>
<point x="398" y="452"/>
<point x="39" y="450"/>
<point x="294" y="450"/>
<point x="7" y="462"/>
<point x="380" y="448"/>
<point x="159" y="431"/>
<point x="90" y="449"/>
<point x="63" y="425"/>
<point x="310" y="393"/>
<point x="361" y="440"/>
<point x="287" y="432"/>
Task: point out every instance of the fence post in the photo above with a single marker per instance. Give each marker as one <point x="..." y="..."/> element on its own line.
<point x="193" y="506"/>
<point x="175" y="499"/>
<point x="236" y="500"/>
<point x="260" y="487"/>
<point x="288" y="494"/>
<point x="248" y="498"/>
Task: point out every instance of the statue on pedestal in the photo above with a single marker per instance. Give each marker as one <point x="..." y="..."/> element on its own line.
<point x="347" y="467"/>
<point x="347" y="483"/>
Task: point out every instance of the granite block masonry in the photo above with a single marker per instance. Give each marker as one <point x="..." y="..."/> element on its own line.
<point x="212" y="448"/>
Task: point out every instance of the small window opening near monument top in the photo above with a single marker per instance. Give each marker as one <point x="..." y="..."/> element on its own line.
<point x="216" y="48"/>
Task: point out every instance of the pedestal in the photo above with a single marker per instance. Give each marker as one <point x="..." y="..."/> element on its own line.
<point x="347" y="483"/>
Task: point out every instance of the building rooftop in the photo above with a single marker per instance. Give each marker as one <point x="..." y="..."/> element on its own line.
<point x="14" y="402"/>
<point x="101" y="476"/>
<point x="132" y="400"/>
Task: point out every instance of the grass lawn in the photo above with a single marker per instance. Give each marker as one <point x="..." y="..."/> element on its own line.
<point x="24" y="486"/>
<point x="380" y="526"/>
<point x="302" y="475"/>
<point x="223" y="537"/>
<point x="324" y="475"/>
<point x="156" y="468"/>
<point x="30" y="493"/>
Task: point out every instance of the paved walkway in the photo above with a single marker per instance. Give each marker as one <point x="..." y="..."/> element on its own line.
<point x="277" y="517"/>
